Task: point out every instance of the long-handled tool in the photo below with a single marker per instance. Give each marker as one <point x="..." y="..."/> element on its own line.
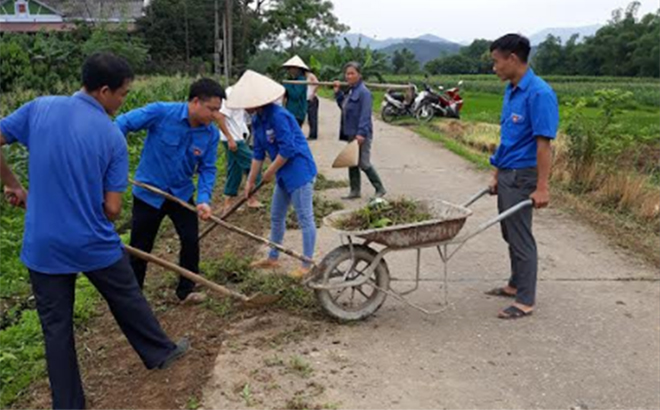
<point x="256" y="300"/>
<point x="226" y="225"/>
<point x="344" y="84"/>
<point x="211" y="226"/>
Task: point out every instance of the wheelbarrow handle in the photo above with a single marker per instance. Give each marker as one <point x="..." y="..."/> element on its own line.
<point x="474" y="198"/>
<point x="499" y="218"/>
<point x="212" y="225"/>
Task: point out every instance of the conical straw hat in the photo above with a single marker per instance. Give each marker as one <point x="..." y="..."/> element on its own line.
<point x="348" y="157"/>
<point x="254" y="90"/>
<point x="296" y="61"/>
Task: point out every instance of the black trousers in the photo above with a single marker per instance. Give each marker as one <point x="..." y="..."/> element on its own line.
<point x="513" y="187"/>
<point x="313" y="117"/>
<point x="55" y="296"/>
<point x="145" y="224"/>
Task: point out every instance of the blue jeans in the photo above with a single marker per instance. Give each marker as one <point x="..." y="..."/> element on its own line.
<point x="302" y="203"/>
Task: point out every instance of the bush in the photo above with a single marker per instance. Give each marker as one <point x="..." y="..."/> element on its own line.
<point x="49" y="61"/>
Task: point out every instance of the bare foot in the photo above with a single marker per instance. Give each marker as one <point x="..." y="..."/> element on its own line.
<point x="265" y="264"/>
<point x="253" y="203"/>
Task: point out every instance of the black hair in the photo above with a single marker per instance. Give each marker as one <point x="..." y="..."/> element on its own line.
<point x="513" y="43"/>
<point x="353" y="64"/>
<point x="206" y="88"/>
<point x="105" y="69"/>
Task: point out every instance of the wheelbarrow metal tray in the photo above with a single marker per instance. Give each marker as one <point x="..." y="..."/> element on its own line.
<point x="446" y="225"/>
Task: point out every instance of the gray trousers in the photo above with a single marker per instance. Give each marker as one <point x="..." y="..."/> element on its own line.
<point x="514" y="186"/>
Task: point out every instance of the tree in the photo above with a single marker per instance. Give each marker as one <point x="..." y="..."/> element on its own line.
<point x="626" y="46"/>
<point x="180" y="30"/>
<point x="453" y="64"/>
<point x="404" y="62"/>
<point x="549" y="56"/>
<point x="332" y="59"/>
<point x="302" y="22"/>
<point x="472" y="59"/>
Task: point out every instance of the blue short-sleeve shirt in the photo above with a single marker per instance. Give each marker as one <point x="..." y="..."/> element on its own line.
<point x="530" y="110"/>
<point x="173" y="152"/>
<point x="276" y="132"/>
<point x="76" y="155"/>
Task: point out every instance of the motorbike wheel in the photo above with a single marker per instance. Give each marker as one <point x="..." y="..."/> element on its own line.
<point x="388" y="114"/>
<point x="454" y="113"/>
<point x="425" y="113"/>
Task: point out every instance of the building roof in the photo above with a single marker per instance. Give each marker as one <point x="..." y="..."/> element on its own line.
<point x="112" y="10"/>
<point x="88" y="10"/>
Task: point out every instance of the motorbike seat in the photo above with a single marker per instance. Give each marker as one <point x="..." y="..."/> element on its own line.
<point x="397" y="95"/>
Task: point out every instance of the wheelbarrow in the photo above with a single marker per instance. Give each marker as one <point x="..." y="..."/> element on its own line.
<point x="353" y="280"/>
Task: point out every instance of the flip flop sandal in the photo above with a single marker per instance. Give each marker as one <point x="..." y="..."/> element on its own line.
<point x="512" y="313"/>
<point x="500" y="292"/>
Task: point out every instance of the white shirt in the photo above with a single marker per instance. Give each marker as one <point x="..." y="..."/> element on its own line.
<point x="311" y="89"/>
<point x="235" y="119"/>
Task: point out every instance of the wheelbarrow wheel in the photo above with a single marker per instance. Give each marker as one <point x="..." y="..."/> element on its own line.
<point x="352" y="303"/>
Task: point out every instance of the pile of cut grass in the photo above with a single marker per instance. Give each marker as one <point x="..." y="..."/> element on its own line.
<point x="381" y="214"/>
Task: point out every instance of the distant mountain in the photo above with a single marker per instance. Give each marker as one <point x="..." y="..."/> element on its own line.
<point x="365" y="41"/>
<point x="424" y="51"/>
<point x="432" y="38"/>
<point x="564" y="33"/>
<point x="376" y="44"/>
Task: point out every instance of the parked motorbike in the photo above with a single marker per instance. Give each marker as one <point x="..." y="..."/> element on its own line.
<point x="395" y="104"/>
<point x="441" y="103"/>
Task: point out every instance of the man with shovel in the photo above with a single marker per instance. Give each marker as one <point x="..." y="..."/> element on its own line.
<point x="78" y="169"/>
<point x="181" y="141"/>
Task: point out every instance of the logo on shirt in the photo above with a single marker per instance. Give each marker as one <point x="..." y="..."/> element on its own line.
<point x="270" y="135"/>
<point x="516" y="118"/>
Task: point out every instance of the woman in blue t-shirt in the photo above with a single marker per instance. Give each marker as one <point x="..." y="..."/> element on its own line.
<point x="276" y="132"/>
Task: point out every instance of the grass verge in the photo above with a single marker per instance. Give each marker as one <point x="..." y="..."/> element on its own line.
<point x="620" y="228"/>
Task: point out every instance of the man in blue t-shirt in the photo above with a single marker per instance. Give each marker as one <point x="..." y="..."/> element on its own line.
<point x="78" y="169"/>
<point x="529" y="122"/>
<point x="181" y="142"/>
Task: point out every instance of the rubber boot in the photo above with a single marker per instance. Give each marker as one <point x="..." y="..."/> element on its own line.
<point x="375" y="181"/>
<point x="354" y="178"/>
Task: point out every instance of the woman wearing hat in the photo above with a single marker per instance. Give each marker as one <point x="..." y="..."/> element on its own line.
<point x="356" y="125"/>
<point x="296" y="94"/>
<point x="277" y="134"/>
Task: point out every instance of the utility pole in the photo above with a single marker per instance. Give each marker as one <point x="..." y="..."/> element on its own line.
<point x="225" y="43"/>
<point x="185" y="17"/>
<point x="230" y="36"/>
<point x="217" y="45"/>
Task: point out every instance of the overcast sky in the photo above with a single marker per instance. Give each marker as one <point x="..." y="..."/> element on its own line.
<point x="464" y="20"/>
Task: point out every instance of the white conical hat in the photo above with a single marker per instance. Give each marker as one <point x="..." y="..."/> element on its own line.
<point x="254" y="90"/>
<point x="348" y="157"/>
<point x="296" y="61"/>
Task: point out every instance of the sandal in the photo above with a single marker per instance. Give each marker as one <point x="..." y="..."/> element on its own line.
<point x="500" y="292"/>
<point x="513" y="312"/>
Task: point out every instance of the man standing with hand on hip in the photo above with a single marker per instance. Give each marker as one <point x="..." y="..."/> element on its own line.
<point x="530" y="118"/>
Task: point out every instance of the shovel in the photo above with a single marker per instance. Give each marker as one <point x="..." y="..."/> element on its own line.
<point x="226" y="225"/>
<point x="256" y="300"/>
